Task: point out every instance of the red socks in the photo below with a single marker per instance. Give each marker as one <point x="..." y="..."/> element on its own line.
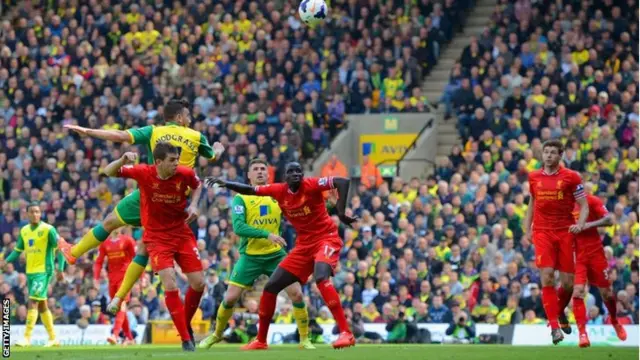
<point x="550" y="304"/>
<point x="266" y="310"/>
<point x="191" y="303"/>
<point x="580" y="312"/>
<point x="176" y="308"/>
<point x="564" y="297"/>
<point x="121" y="316"/>
<point x="610" y="303"/>
<point x="332" y="299"/>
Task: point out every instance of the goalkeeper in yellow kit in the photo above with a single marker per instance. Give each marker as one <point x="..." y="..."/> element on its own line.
<point x="256" y="220"/>
<point x="38" y="240"/>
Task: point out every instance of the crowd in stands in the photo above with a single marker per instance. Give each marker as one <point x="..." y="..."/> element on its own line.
<point x="426" y="251"/>
<point x="540" y="71"/>
<point x="260" y="82"/>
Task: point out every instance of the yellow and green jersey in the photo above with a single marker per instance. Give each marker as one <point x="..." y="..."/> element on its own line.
<point x="39" y="244"/>
<point x="253" y="219"/>
<point x="191" y="142"/>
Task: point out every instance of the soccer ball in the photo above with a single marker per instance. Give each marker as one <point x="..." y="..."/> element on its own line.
<point x="313" y="11"/>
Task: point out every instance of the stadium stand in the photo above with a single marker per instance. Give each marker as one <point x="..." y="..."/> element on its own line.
<point x="261" y="83"/>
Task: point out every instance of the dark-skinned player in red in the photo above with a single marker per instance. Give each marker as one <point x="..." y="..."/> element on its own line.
<point x="317" y="245"/>
<point x="118" y="250"/>
<point x="555" y="191"/>
<point x="592" y="266"/>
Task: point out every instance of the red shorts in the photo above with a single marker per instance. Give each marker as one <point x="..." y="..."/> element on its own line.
<point x="554" y="249"/>
<point x="302" y="258"/>
<point x="182" y="249"/>
<point x="592" y="266"/>
<point x="114" y="285"/>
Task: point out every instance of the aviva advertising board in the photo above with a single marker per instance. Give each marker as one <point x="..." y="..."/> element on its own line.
<point x="385" y="148"/>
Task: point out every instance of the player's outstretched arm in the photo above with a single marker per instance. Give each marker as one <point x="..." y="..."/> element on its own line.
<point x="118" y="136"/>
<point x="342" y="185"/>
<point x="607" y="220"/>
<point x="127" y="158"/>
<point x="240" y="188"/>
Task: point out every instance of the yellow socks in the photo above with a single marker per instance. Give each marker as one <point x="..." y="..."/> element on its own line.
<point x="90" y="240"/>
<point x="47" y="321"/>
<point x="302" y="320"/>
<point x="134" y="271"/>
<point x="32" y="317"/>
<point x="222" y="318"/>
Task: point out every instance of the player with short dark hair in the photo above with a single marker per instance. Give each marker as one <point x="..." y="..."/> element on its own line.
<point x="175" y="131"/>
<point x="592" y="265"/>
<point x="38" y="240"/>
<point x="317" y="247"/>
<point x="167" y="236"/>
<point x="555" y="190"/>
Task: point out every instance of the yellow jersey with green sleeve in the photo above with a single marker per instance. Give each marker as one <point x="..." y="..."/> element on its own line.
<point x="253" y="219"/>
<point x="39" y="244"/>
<point x="191" y="142"/>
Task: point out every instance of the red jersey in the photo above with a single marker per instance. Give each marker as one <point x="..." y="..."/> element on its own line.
<point x="555" y="196"/>
<point x="162" y="202"/>
<point x="119" y="251"/>
<point x="591" y="237"/>
<point x="305" y="209"/>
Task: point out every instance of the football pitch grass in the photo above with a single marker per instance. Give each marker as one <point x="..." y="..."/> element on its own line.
<point x="324" y="352"/>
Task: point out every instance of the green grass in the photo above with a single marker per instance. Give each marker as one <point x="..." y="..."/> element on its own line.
<point x="324" y="352"/>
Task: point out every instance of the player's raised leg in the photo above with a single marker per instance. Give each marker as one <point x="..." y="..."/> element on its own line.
<point x="280" y="279"/>
<point x="300" y="314"/>
<point x="95" y="236"/>
<point x="609" y="298"/>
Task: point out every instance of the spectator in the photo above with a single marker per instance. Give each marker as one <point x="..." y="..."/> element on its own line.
<point x="324" y="317"/>
<point x="438" y="312"/>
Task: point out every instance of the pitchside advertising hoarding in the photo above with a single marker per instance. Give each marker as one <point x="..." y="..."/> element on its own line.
<point x="599" y="335"/>
<point x="71" y="335"/>
<point x="526" y="335"/>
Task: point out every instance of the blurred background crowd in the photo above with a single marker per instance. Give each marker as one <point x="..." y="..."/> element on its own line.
<point x="427" y="250"/>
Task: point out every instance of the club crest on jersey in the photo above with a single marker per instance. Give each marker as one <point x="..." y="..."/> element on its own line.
<point x="155" y="186"/>
<point x="559" y="185"/>
<point x="40" y="233"/>
<point x="178" y="185"/>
